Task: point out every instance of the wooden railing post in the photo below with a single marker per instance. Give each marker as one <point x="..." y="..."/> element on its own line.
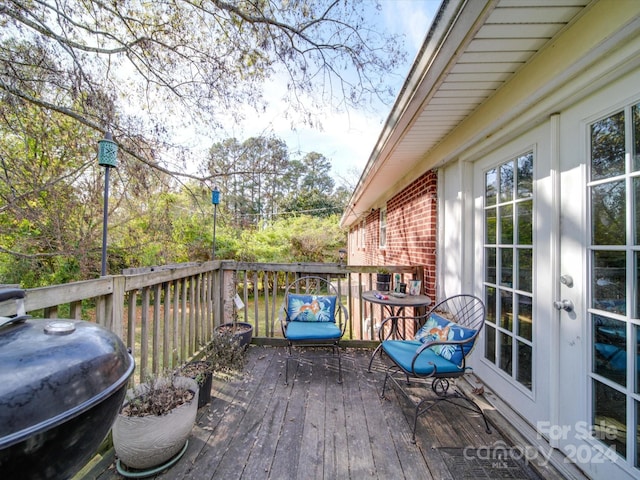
<point x="116" y="322"/>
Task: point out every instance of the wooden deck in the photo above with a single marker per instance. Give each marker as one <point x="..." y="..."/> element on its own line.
<point x="258" y="428"/>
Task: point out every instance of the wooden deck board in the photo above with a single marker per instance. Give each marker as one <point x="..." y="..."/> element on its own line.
<point x="260" y="459"/>
<point x="386" y="462"/>
<point x="360" y="453"/>
<point x="312" y="444"/>
<point x="228" y="410"/>
<point x="254" y="403"/>
<point x="336" y="460"/>
<point x="409" y="455"/>
<point x="314" y="428"/>
<point x="287" y="454"/>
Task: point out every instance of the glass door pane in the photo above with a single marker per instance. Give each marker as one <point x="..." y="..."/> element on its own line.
<point x="614" y="190"/>
<point x="509" y="269"/>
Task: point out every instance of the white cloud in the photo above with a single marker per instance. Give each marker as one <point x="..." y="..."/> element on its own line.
<point x="411" y="17"/>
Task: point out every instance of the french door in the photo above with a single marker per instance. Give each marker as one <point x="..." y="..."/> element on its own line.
<point x="557" y="261"/>
<point x="512" y="189"/>
<point x="598" y="423"/>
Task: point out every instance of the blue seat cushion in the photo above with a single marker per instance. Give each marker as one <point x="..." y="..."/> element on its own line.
<point x="439" y="329"/>
<point x="403" y="351"/>
<point x="311" y="308"/>
<point x="312" y="331"/>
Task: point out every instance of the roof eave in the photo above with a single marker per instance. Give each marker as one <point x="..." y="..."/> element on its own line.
<point x="455" y="21"/>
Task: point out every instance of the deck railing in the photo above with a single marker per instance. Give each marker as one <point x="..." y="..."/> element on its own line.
<point x="166" y="314"/>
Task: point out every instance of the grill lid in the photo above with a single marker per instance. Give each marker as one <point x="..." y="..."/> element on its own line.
<point x="53" y="370"/>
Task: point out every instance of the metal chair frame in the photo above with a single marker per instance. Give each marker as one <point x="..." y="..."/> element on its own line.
<point x="466" y="311"/>
<point x="314" y="285"/>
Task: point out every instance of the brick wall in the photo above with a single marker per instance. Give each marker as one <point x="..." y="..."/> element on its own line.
<point x="411" y="230"/>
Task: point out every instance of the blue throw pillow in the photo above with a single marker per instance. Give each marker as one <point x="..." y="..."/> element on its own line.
<point x="311" y="308"/>
<point x="440" y="329"/>
<point x="430" y="330"/>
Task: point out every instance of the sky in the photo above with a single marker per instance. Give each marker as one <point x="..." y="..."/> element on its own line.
<point x="347" y="139"/>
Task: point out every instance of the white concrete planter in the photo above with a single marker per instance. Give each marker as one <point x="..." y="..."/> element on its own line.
<point x="146" y="442"/>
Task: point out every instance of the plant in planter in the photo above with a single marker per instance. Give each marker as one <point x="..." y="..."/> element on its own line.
<point x="202" y="372"/>
<point x="383" y="280"/>
<point x="243" y="330"/>
<point x="226" y="353"/>
<point x="151" y="430"/>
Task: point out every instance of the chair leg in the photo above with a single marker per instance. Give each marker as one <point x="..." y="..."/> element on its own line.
<point x="373" y="355"/>
<point x="415" y="423"/>
<point x="384" y="385"/>
<point x="286" y="371"/>
<point x="448" y="397"/>
<point x="286" y="366"/>
<point x="473" y="406"/>
<point x="440" y="387"/>
<point x="387" y="376"/>
<point x="419" y="411"/>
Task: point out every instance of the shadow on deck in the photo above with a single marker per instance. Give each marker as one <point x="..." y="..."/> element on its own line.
<point x="258" y="428"/>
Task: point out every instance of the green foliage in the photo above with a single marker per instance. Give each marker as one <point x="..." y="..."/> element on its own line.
<point x="155" y="224"/>
<point x="315" y="239"/>
<point x="302" y="238"/>
<point x="270" y="244"/>
<point x="260" y="182"/>
<point x="49" y="197"/>
<point x="20" y="271"/>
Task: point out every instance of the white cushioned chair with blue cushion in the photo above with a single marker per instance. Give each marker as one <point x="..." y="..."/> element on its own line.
<point x="444" y="338"/>
<point x="312" y="315"/>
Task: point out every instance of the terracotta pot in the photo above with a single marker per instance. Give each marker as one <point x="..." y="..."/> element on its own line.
<point x="146" y="442"/>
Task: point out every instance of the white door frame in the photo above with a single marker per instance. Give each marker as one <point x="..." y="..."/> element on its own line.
<point x="532" y="404"/>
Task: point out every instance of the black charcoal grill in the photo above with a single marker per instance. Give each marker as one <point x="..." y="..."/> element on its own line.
<point x="62" y="383"/>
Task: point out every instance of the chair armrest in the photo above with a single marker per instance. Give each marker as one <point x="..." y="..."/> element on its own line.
<point x="344" y="318"/>
<point x="283" y="317"/>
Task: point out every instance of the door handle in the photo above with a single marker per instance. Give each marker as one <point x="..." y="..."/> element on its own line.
<point x="565" y="304"/>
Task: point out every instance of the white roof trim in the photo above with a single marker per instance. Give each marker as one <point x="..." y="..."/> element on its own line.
<point x="473" y="49"/>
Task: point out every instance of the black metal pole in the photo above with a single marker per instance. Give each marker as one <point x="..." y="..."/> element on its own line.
<point x="105" y="216"/>
<point x="215" y="213"/>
